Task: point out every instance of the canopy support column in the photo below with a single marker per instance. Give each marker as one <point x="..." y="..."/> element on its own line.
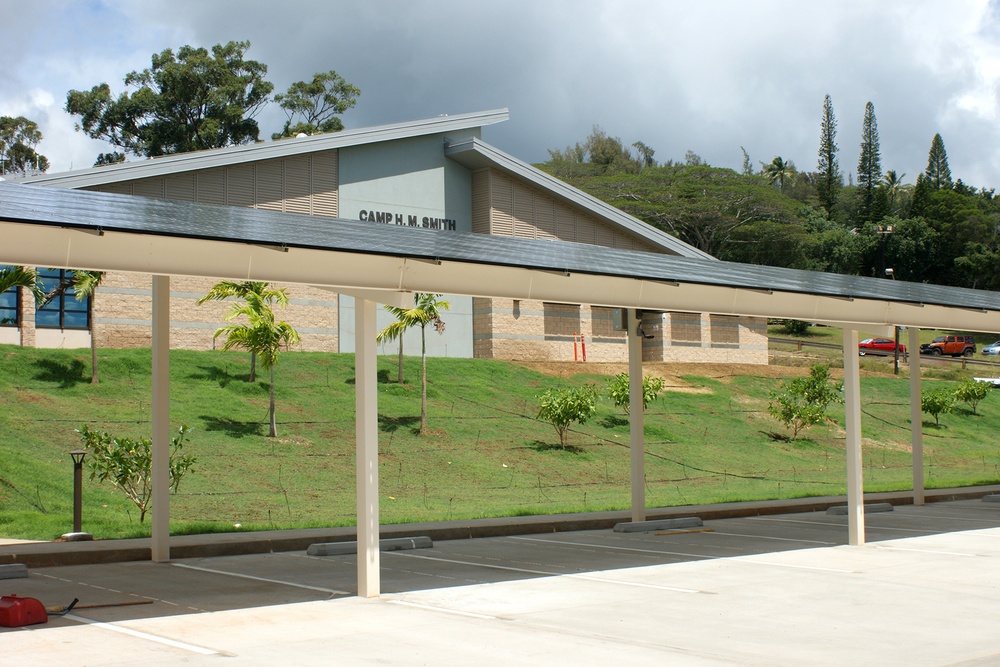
<point x="916" y="416"/>
<point x="635" y="416"/>
<point x="366" y="442"/>
<point x="852" y="419"/>
<point x="160" y="467"/>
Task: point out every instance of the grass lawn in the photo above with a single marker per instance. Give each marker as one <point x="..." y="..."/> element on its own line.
<point x="708" y="439"/>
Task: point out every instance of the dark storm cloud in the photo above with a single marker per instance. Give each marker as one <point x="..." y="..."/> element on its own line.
<point x="707" y="76"/>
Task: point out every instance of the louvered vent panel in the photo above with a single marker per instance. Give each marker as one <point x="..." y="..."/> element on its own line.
<point x="212" y="186"/>
<point x="180" y="187"/>
<point x="586" y="229"/>
<point x="116" y="188"/>
<point x="240" y="185"/>
<point x="502" y="214"/>
<point x="524" y="212"/>
<point x="481" y="202"/>
<point x="565" y="223"/>
<point x="270" y="185"/>
<point x="148" y="187"/>
<point x="298" y="184"/>
<point x="325" y="181"/>
<point x="545" y="217"/>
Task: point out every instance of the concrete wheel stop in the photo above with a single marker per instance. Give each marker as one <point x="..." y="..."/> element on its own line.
<point x="13" y="571"/>
<point x="869" y="508"/>
<point x="658" y="524"/>
<point x="389" y="544"/>
<point x="991" y="498"/>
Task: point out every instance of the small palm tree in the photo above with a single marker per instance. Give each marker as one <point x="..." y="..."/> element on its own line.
<point x="20" y="276"/>
<point x="240" y="290"/>
<point x="85" y="284"/>
<point x="426" y="310"/>
<point x="262" y="335"/>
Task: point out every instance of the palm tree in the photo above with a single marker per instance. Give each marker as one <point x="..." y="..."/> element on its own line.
<point x="262" y="335"/>
<point x="266" y="296"/>
<point x="779" y="170"/>
<point x="894" y="187"/>
<point x="426" y="310"/>
<point x="85" y="283"/>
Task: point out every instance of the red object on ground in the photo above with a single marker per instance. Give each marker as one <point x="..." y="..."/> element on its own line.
<point x="16" y="611"/>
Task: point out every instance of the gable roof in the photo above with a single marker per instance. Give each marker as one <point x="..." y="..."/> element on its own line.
<point x="264" y="150"/>
<point x="477" y="154"/>
<point x="101" y="231"/>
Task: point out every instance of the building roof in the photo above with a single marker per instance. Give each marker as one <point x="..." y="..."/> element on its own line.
<point x="100" y="231"/>
<point x="264" y="150"/>
<point x="477" y="154"/>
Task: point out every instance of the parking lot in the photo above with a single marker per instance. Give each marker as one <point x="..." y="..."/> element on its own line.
<point x="778" y="589"/>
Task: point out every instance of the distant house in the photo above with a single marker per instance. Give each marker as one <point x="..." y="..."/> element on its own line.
<point x="435" y="173"/>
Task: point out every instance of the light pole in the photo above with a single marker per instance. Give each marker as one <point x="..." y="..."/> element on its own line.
<point x="77" y="455"/>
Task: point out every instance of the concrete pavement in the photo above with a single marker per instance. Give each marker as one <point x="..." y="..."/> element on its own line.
<point x="766" y="590"/>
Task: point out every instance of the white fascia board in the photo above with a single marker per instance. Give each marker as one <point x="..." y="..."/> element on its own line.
<point x="265" y="150"/>
<point x="37" y="245"/>
<point x="476" y="153"/>
<point x="386" y="297"/>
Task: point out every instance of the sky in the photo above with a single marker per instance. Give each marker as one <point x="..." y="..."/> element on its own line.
<point x="708" y="76"/>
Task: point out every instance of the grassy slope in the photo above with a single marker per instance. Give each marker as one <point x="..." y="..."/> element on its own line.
<point x="486" y="455"/>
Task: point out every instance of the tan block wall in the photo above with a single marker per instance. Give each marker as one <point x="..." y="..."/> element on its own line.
<point x="123" y="303"/>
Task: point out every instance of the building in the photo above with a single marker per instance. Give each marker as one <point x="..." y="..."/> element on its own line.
<point x="434" y="173"/>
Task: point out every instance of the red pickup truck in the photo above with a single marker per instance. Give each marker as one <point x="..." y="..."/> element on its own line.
<point x="956" y="346"/>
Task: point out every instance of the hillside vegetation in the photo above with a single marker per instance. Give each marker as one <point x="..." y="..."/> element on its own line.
<point x="708" y="439"/>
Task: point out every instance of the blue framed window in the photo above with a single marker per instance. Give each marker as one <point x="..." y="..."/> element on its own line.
<point x="63" y="311"/>
<point x="8" y="305"/>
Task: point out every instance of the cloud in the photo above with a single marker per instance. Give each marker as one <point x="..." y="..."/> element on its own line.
<point x="705" y="76"/>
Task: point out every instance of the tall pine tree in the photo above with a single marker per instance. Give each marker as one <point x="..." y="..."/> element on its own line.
<point x="869" y="164"/>
<point x="937" y="171"/>
<point x="829" y="179"/>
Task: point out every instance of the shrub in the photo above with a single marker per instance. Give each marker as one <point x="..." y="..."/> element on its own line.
<point x="127" y="462"/>
<point x="973" y="391"/>
<point x="802" y="402"/>
<point x="618" y="390"/>
<point x="937" y="402"/>
<point x="562" y="407"/>
<point x="795" y="327"/>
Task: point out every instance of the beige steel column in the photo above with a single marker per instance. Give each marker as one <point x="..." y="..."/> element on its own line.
<point x="366" y="442"/>
<point x="160" y="469"/>
<point x="635" y="417"/>
<point x="852" y="419"/>
<point x="916" y="416"/>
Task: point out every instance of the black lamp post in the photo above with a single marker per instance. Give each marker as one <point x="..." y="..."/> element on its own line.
<point x="77" y="455"/>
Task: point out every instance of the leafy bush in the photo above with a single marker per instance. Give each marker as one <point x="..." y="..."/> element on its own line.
<point x="127" y="462"/>
<point x="973" y="391"/>
<point x="795" y="327"/>
<point x="802" y="402"/>
<point x="937" y="402"/>
<point x="562" y="407"/>
<point x="618" y="390"/>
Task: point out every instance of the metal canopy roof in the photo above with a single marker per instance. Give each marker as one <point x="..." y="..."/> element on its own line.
<point x="75" y="229"/>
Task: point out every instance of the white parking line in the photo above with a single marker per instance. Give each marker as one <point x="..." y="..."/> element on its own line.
<point x="444" y="610"/>
<point x="586" y="577"/>
<point x="201" y="650"/>
<point x="796" y="567"/>
<point x="924" y="551"/>
<point x="613" y="547"/>
<point x="265" y="579"/>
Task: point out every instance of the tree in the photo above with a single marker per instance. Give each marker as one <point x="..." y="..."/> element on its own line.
<point x="618" y="390"/>
<point x="562" y="407"/>
<point x="747" y="169"/>
<point x="894" y="191"/>
<point x="18" y="138"/>
<point x="972" y="391"/>
<point x="85" y="284"/>
<point x="937" y="402"/>
<point x="802" y="402"/>
<point x="869" y="163"/>
<point x="645" y="154"/>
<point x="828" y="178"/>
<point x="127" y="463"/>
<point x="426" y="310"/>
<point x="185" y="102"/>
<point x="778" y="171"/>
<point x="105" y="159"/>
<point x="316" y="104"/>
<point x="266" y="296"/>
<point x="20" y="276"/>
<point x="262" y="334"/>
<point x="938" y="173"/>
